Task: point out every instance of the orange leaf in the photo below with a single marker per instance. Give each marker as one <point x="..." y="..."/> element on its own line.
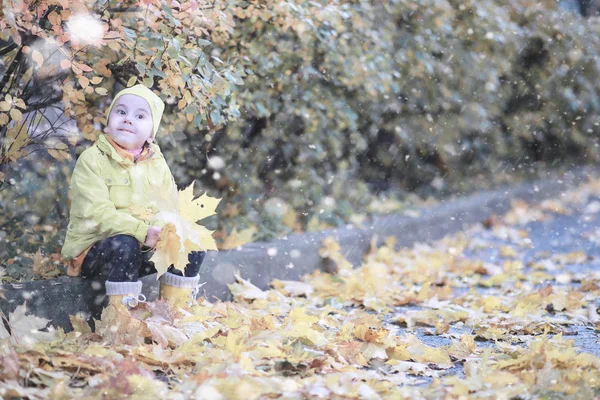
<point x="84" y="82"/>
<point x="76" y="69"/>
<point x="85" y="68"/>
<point x="37" y="57"/>
<point x="54" y="18"/>
<point x="65" y="64"/>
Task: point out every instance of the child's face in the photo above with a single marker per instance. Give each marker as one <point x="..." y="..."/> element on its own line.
<point x="130" y="122"/>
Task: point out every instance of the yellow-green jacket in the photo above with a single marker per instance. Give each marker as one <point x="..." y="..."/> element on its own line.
<point x="105" y="186"/>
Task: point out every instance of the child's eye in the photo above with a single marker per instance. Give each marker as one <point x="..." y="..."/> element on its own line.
<point x="140" y="116"/>
<point x="121" y="112"/>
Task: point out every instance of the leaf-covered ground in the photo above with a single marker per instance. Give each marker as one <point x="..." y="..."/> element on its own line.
<point x="507" y="309"/>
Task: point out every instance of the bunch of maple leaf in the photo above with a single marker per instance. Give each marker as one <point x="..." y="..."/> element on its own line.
<point x="181" y="234"/>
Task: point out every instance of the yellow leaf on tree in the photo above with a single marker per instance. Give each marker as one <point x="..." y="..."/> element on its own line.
<point x="290" y="219"/>
<point x="28" y="74"/>
<point x="17" y="139"/>
<point x="84" y="82"/>
<point x="19" y="102"/>
<point x="16" y="115"/>
<point x="60" y="152"/>
<point x="65" y="63"/>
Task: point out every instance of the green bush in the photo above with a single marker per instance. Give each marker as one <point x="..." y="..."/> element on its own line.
<point x="400" y="96"/>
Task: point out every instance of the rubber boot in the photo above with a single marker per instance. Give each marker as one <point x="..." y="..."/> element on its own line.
<point x="128" y="294"/>
<point x="179" y="291"/>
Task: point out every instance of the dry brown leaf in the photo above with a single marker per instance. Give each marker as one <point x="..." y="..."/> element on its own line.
<point x="79" y="324"/>
<point x="9" y="362"/>
<point x="118" y="326"/>
<point x="244" y="290"/>
<point x="293" y="288"/>
<point x="25" y="329"/>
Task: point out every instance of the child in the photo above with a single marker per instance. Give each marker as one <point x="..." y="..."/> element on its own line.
<point x="105" y="241"/>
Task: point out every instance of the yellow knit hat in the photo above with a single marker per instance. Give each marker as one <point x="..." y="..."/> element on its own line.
<point x="156" y="104"/>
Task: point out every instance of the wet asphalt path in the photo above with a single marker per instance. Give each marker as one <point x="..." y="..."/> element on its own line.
<point x="556" y="236"/>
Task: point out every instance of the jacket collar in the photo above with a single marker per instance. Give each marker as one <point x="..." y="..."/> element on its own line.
<point x="118" y="154"/>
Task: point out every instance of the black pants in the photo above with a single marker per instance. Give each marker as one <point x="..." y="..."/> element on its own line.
<point x="120" y="259"/>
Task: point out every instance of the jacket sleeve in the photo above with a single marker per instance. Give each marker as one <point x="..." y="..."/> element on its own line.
<point x="91" y="203"/>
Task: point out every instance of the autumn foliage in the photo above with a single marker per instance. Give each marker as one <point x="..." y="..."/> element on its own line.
<point x="305" y="114"/>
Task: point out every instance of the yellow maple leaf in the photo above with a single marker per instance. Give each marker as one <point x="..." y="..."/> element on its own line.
<point x="422" y="353"/>
<point x="79" y="324"/>
<point x="299" y="324"/>
<point x="181" y="234"/>
<point x="196" y="209"/>
<point x="370" y="334"/>
<point x="168" y="250"/>
<point x="205" y="238"/>
<point x="235" y="239"/>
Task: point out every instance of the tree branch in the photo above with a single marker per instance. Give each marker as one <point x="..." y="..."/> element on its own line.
<point x="44" y="104"/>
<point x="11" y="69"/>
<point x="8" y="49"/>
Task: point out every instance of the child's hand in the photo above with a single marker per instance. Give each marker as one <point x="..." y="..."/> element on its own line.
<point x="152" y="236"/>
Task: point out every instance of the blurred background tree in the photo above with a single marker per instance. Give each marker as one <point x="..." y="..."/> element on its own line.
<point x="301" y="114"/>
